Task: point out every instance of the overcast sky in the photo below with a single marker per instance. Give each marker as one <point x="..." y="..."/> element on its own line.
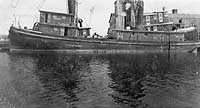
<point x="26" y="11"/>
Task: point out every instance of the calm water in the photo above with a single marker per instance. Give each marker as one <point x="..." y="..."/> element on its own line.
<point x="59" y="80"/>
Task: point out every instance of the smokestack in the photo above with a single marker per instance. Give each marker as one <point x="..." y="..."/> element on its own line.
<point x="73" y="6"/>
<point x="73" y="9"/>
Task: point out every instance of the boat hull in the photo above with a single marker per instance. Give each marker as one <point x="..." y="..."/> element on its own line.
<point x="21" y="39"/>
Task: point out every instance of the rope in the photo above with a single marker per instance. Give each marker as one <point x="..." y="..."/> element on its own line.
<point x="92" y="9"/>
<point x="91" y="15"/>
<point x="14" y="3"/>
<point x="41" y="4"/>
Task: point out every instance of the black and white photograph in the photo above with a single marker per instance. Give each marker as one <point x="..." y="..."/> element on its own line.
<point x="99" y="54"/>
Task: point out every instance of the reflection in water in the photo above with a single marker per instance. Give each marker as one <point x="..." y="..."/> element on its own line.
<point x="130" y="72"/>
<point x="60" y="76"/>
<point x="59" y="80"/>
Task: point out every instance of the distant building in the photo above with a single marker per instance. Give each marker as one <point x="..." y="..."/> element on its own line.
<point x="163" y="21"/>
<point x="128" y="15"/>
<point x="157" y="21"/>
<point x="184" y="20"/>
<point x="112" y="23"/>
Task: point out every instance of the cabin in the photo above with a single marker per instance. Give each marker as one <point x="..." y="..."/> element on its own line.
<point x="160" y="27"/>
<point x="60" y="24"/>
<point x="55" y="18"/>
<point x="158" y="36"/>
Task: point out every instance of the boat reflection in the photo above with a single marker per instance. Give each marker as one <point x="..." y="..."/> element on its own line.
<point x="147" y="80"/>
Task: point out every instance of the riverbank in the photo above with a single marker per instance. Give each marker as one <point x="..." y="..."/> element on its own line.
<point x="4" y="44"/>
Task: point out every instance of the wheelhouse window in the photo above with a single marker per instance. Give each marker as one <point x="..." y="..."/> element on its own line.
<point x="155" y="17"/>
<point x="147" y="18"/>
<point x="160" y="17"/>
<point x="57" y="17"/>
<point x="55" y="29"/>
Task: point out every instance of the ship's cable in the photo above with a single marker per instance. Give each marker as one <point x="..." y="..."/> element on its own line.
<point x="14" y="3"/>
<point x="41" y="4"/>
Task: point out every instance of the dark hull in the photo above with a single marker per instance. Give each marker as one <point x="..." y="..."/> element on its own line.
<point x="24" y="39"/>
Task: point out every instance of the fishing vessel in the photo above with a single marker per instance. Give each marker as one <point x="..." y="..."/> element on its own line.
<point x="64" y="32"/>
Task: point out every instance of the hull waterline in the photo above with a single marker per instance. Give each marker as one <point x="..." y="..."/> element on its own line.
<point x="21" y="39"/>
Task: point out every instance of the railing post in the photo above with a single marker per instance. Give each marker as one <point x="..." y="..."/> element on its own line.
<point x="152" y="37"/>
<point x="130" y="35"/>
<point x="198" y="33"/>
<point x="169" y="47"/>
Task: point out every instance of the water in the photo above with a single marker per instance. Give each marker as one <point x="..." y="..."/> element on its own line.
<point x="60" y="80"/>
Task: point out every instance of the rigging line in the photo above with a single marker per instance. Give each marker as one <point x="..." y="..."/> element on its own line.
<point x="91" y="15"/>
<point x="92" y="9"/>
<point x="15" y="20"/>
<point x="41" y="4"/>
<point x="87" y="24"/>
<point x="14" y="3"/>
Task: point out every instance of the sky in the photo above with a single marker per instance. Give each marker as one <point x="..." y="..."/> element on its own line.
<point x="25" y="12"/>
